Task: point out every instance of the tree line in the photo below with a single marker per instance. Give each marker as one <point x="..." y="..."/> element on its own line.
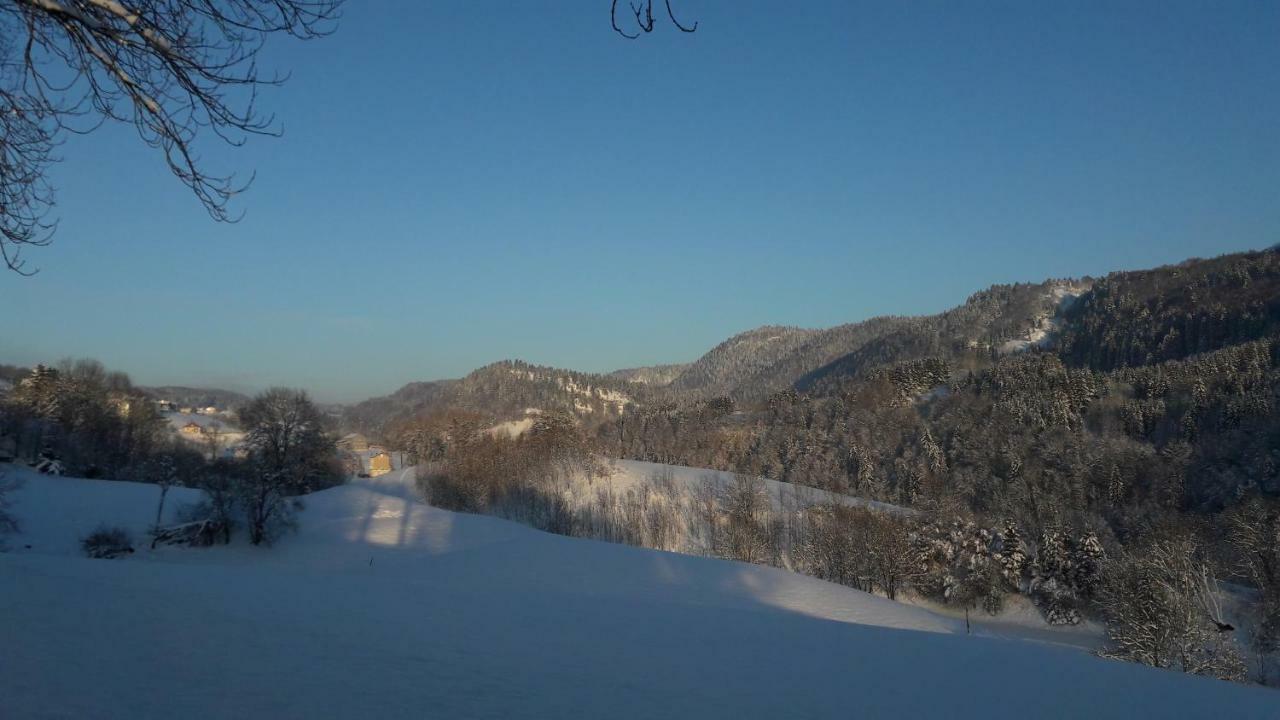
<point x="80" y="419"/>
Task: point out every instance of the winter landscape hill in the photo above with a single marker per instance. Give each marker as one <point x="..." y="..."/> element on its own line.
<point x="380" y="606"/>
<point x="748" y="367"/>
<point x="502" y="391"/>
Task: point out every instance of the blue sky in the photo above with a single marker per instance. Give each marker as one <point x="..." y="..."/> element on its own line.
<point x="461" y="182"/>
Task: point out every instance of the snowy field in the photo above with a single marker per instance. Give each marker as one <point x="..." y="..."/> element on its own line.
<point x="382" y="607"/>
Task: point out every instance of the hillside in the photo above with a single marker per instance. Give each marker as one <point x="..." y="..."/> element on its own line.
<point x="1159" y="386"/>
<point x="500" y="391"/>
<point x="726" y="366"/>
<point x="651" y="375"/>
<point x="748" y="367"/>
<point x="1140" y="318"/>
<point x="380" y="606"/>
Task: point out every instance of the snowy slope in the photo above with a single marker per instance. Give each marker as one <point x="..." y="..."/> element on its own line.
<point x="1019" y="619"/>
<point x="627" y="474"/>
<point x="382" y="607"/>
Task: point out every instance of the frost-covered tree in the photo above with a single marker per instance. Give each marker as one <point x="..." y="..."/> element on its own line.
<point x="1013" y="556"/>
<point x="1085" y="571"/>
<point x="745" y="529"/>
<point x="1253" y="536"/>
<point x="1161" y="609"/>
<point x="39" y="392"/>
<point x="958" y="564"/>
<point x="1051" y="585"/>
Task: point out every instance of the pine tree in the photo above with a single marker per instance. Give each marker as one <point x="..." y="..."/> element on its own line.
<point x="1050" y="585"/>
<point x="1086" y="564"/>
<point x="1013" y="558"/>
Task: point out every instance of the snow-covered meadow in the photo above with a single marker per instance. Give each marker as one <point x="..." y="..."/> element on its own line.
<point x="380" y="606"/>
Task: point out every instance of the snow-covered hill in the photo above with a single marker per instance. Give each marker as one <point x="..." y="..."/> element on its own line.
<point x="380" y="606"/>
<point x="630" y="474"/>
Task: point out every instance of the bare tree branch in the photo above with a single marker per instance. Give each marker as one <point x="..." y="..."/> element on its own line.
<point x="175" y="69"/>
<point x="642" y="13"/>
<point x="676" y="22"/>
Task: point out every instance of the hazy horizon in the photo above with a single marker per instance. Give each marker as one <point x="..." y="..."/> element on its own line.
<point x="811" y="167"/>
<point x="247" y="386"/>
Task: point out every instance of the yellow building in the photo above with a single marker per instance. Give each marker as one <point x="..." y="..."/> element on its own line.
<point x="379" y="464"/>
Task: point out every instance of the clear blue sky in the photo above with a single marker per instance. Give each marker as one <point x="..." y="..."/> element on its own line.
<point x="463" y="182"/>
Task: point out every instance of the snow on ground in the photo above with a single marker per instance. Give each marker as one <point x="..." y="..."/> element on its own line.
<point x="515" y="428"/>
<point x="1020" y="619"/>
<point x="511" y="428"/>
<point x="1046" y="327"/>
<point x="380" y="606"/>
<point x="629" y="474"/>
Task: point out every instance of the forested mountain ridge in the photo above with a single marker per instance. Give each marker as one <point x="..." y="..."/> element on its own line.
<point x="752" y="365"/>
<point x="499" y="391"/>
<point x="729" y="365"/>
<point x="1001" y="319"/>
<point x="747" y="367"/>
<point x="1139" y="403"/>
<point x="1124" y="319"/>
<point x="656" y="375"/>
<point x="1145" y="317"/>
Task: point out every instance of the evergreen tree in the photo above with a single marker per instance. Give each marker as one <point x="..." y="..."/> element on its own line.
<point x="1013" y="557"/>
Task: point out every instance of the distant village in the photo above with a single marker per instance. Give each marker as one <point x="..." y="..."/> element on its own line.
<point x="217" y="427"/>
<point x="213" y="429"/>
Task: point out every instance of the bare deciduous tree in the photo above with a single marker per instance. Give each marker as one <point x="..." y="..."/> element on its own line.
<point x="745" y="528"/>
<point x="289" y="454"/>
<point x="177" y="70"/>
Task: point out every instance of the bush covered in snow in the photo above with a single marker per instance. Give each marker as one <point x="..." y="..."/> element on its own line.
<point x="107" y="542"/>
